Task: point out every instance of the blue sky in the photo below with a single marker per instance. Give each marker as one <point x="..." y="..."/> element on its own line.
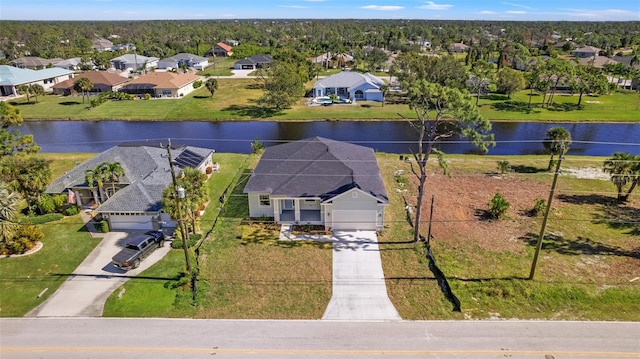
<point x="569" y="10"/>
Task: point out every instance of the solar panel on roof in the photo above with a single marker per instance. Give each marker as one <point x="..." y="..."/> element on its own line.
<point x="188" y="159"/>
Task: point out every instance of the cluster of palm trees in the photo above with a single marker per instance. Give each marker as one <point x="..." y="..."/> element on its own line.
<point x="624" y="169"/>
<point x="34" y="90"/>
<point x="106" y="172"/>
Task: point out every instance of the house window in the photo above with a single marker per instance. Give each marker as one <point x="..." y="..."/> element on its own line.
<point x="264" y="200"/>
<point x="359" y="95"/>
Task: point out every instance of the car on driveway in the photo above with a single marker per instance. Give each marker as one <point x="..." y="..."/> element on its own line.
<point x="137" y="249"/>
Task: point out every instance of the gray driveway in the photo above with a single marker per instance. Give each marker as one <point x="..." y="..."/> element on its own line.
<point x="89" y="286"/>
<point x="359" y="289"/>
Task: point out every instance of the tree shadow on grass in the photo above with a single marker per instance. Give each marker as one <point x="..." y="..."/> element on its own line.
<point x="70" y="103"/>
<point x="527" y="169"/>
<point x="16" y="103"/>
<point x="565" y="107"/>
<point x="579" y="246"/>
<point x="253" y="111"/>
<point x="495" y="97"/>
<point x="587" y="199"/>
<point x="514" y="106"/>
<point x="202" y="96"/>
<point x="618" y="216"/>
<point x="236" y="204"/>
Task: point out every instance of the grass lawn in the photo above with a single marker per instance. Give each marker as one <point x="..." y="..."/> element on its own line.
<point x="584" y="271"/>
<point x="66" y="244"/>
<point x="237" y="99"/>
<point x="220" y="66"/>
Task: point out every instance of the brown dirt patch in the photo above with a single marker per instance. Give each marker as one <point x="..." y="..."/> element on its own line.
<point x="461" y="201"/>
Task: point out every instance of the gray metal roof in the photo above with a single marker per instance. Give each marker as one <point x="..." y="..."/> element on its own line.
<point x="184" y="56"/>
<point x="147" y="173"/>
<point x="349" y="79"/>
<point x="13" y="76"/>
<point x="317" y="167"/>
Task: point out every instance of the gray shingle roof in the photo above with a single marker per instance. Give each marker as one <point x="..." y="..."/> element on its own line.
<point x="317" y="167"/>
<point x="146" y="170"/>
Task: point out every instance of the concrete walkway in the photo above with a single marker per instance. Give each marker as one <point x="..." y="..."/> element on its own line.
<point x="89" y="286"/>
<point x="359" y="289"/>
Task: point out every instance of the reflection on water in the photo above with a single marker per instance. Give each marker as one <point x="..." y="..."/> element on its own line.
<point x="394" y="137"/>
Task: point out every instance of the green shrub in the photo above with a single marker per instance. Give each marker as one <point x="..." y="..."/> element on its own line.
<point x="72" y="211"/>
<point x="147" y="96"/>
<point x="25" y="239"/>
<point x="102" y="226"/>
<point x="498" y="206"/>
<point x="45" y="218"/>
<point x="539" y="206"/>
<point x="504" y="166"/>
<point x="47" y="204"/>
<point x="197" y="84"/>
<point x="177" y="242"/>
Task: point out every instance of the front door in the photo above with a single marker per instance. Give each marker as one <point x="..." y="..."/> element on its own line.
<point x="288" y="204"/>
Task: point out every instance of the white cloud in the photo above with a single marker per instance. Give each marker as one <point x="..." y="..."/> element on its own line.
<point x="293" y="6"/>
<point x="382" y="7"/>
<point x="433" y="6"/>
<point x="516" y="5"/>
<point x="519" y="12"/>
<point x="617" y="11"/>
<point x="487" y="12"/>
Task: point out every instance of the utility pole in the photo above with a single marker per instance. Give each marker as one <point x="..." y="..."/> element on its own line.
<point x="546" y="215"/>
<point x="179" y="196"/>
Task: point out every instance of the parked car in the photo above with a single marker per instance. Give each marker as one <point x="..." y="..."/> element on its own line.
<point x="137" y="249"/>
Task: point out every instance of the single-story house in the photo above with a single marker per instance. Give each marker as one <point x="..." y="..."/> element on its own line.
<point x="135" y="200"/>
<point x="161" y="84"/>
<point x="351" y="85"/>
<point x="126" y="46"/>
<point x="220" y="50"/>
<point x="597" y="61"/>
<point x="585" y="52"/>
<point x="459" y="47"/>
<point x="102" y="82"/>
<point x="101" y="45"/>
<point x="319" y="181"/>
<point x="254" y="62"/>
<point x="74" y="64"/>
<point x="34" y="62"/>
<point x="176" y="62"/>
<point x="133" y="62"/>
<point x="12" y="77"/>
<point x="333" y="60"/>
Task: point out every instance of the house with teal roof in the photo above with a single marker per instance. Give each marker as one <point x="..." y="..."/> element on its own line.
<point x="12" y="77"/>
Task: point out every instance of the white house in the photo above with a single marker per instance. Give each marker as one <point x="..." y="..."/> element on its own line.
<point x="319" y="181"/>
<point x="12" y="77"/>
<point x="351" y="85"/>
<point x="178" y="60"/>
<point x="133" y="62"/>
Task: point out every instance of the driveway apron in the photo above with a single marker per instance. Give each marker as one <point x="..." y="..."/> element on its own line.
<point x="89" y="286"/>
<point x="359" y="289"/>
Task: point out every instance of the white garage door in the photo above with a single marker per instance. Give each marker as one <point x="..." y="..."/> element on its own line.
<point x="118" y="222"/>
<point x="354" y="220"/>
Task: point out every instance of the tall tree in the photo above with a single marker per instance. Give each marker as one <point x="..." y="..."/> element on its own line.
<point x="557" y="141"/>
<point x="482" y="73"/>
<point x="441" y="112"/>
<point x="283" y="84"/>
<point x="559" y="71"/>
<point x="589" y="79"/>
<point x="37" y="90"/>
<point x="83" y="85"/>
<point x="211" y="85"/>
<point x="27" y="175"/>
<point x="25" y="90"/>
<point x="9" y="201"/>
<point x="112" y="172"/>
<point x="624" y="168"/>
<point x="510" y="81"/>
<point x="384" y="89"/>
<point x="11" y="141"/>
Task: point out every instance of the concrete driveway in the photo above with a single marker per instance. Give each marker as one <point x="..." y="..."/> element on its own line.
<point x="359" y="289"/>
<point x="89" y="286"/>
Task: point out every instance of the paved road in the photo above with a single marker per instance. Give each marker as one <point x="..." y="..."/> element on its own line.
<point x="359" y="289"/>
<point x="184" y="338"/>
<point x="89" y="286"/>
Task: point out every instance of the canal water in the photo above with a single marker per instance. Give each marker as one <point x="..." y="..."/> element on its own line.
<point x="513" y="138"/>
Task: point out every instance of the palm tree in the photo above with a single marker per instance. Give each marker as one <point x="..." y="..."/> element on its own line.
<point x="624" y="169"/>
<point x="558" y="141"/>
<point x="112" y="173"/>
<point x="8" y="208"/>
<point x="37" y="90"/>
<point x="385" y="90"/>
<point x="82" y="85"/>
<point x="90" y="178"/>
<point x="211" y="85"/>
<point x="25" y="90"/>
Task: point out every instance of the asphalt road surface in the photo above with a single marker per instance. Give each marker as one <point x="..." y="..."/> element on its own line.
<point x="185" y="338"/>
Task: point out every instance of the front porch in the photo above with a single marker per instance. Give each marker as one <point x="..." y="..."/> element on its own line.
<point x="298" y="211"/>
<point x="306" y="216"/>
